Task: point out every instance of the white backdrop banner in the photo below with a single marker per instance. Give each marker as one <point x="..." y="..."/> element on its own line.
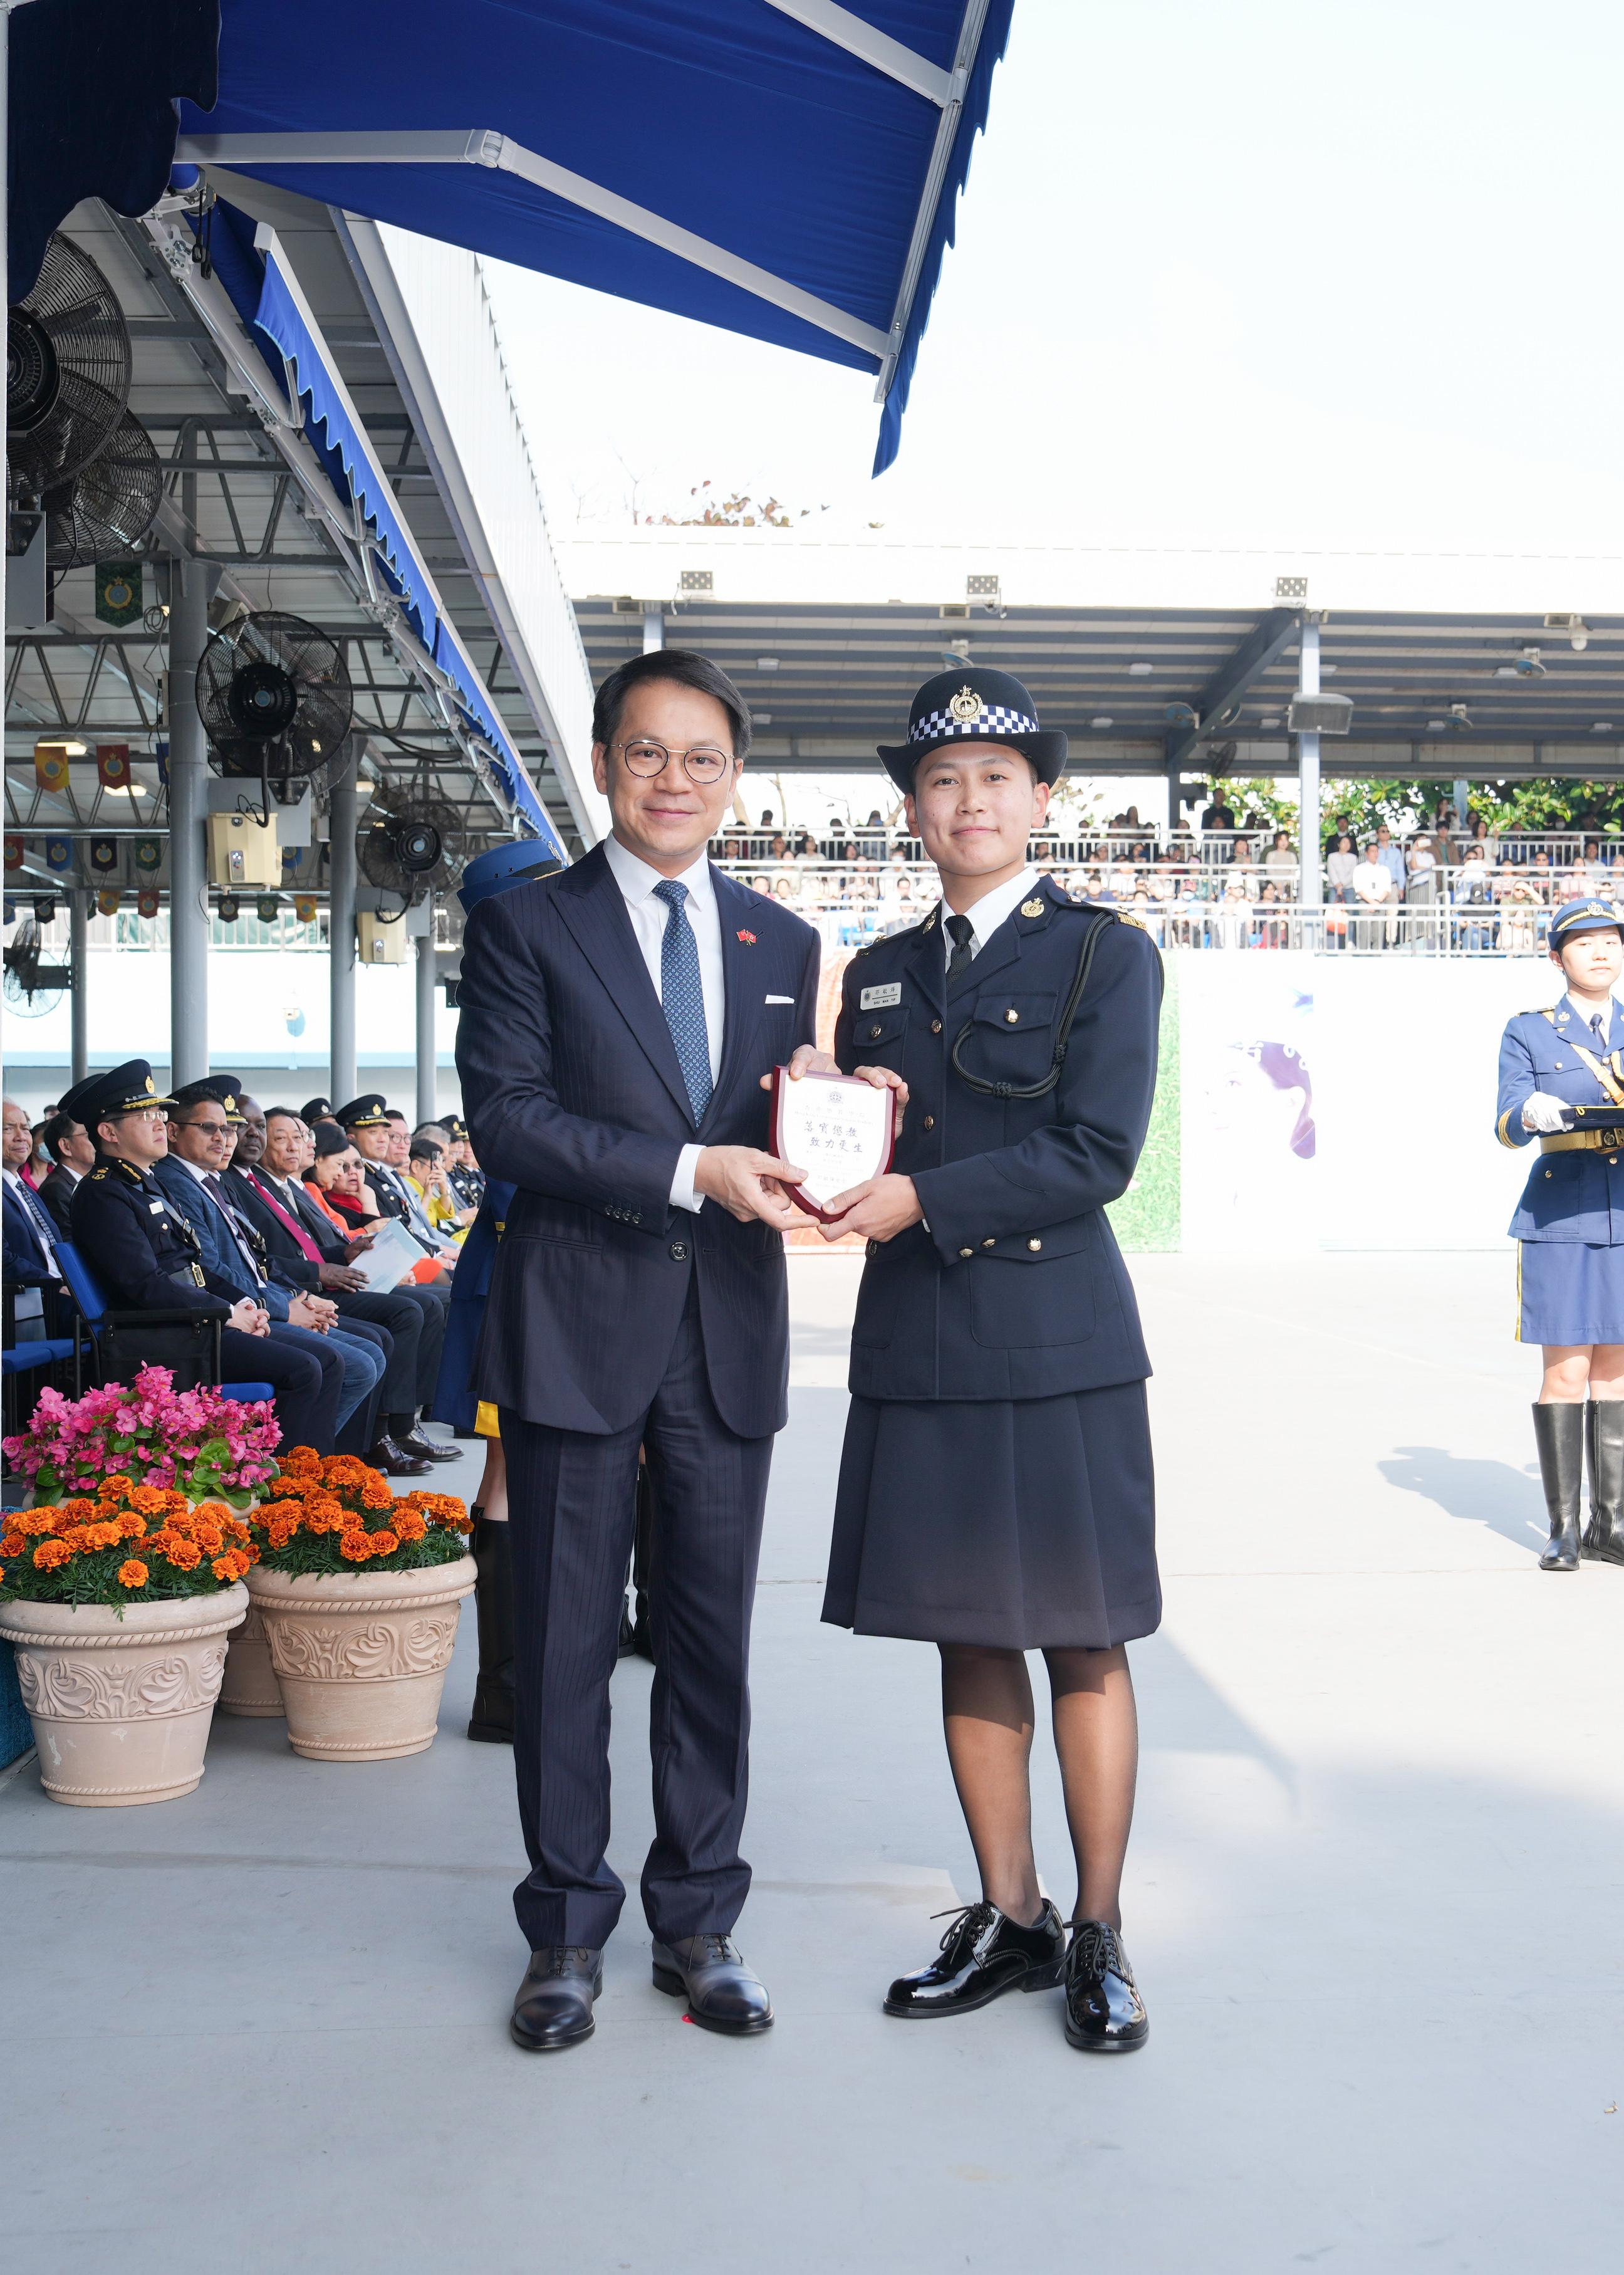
<point x="1345" y="1102"/>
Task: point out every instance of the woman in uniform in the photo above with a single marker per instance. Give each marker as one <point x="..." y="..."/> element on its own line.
<point x="995" y="1492"/>
<point x="1560" y="1070"/>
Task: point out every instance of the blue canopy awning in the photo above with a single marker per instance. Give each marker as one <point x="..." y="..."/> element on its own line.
<point x="268" y="298"/>
<point x="787" y="169"/>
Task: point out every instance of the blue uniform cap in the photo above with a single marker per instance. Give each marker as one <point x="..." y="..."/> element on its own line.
<point x="504" y="865"/>
<point x="1584" y="916"/>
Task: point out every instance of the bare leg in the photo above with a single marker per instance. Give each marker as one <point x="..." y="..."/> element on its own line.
<point x="1607" y="1370"/>
<point x="1097" y="1737"/>
<point x="491" y="1501"/>
<point x="986" y="1711"/>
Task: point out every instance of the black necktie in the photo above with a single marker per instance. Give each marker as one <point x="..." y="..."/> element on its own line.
<point x="962" y="933"/>
<point x="40" y="1223"/>
<point x="1599" y="1029"/>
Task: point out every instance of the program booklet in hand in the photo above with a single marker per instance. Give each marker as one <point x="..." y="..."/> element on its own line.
<point x="392" y="1255"/>
<point x="837" y="1127"/>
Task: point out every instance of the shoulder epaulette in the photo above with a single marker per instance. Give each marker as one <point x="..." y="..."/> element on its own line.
<point x="96" y="1176"/>
<point x="132" y="1171"/>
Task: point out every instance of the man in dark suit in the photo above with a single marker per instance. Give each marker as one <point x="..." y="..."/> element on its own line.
<point x="617" y="1019"/>
<point x="73" y="1154"/>
<point x="304" y="1250"/>
<point x="33" y="1282"/>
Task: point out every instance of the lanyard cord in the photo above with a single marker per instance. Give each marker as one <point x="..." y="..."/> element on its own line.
<point x="1050" y="1081"/>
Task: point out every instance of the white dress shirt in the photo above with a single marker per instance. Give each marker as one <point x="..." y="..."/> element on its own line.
<point x="637" y="882"/>
<point x="990" y="911"/>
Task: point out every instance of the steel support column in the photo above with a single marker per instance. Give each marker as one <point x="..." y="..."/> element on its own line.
<point x="340" y="1073"/>
<point x="653" y="629"/>
<point x="428" y="1069"/>
<point x="1309" y="880"/>
<point x="78" y="997"/>
<point x="192" y="584"/>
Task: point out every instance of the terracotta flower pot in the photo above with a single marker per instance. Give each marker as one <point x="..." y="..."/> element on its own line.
<point x="250" y="1686"/>
<point x="121" y="1705"/>
<point x="361" y="1657"/>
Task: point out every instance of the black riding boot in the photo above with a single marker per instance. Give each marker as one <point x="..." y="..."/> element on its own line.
<point x="1603" y="1431"/>
<point x="493" y="1596"/>
<point x="1559" y="1433"/>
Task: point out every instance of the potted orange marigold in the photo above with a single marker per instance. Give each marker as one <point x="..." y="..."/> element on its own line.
<point x="359" y="1593"/>
<point x="118" y="1604"/>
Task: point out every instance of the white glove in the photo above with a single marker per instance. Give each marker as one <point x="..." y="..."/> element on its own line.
<point x="1546" y="1113"/>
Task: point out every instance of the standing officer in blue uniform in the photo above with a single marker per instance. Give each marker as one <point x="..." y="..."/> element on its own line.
<point x="995" y="1492"/>
<point x="1558" y="1069"/>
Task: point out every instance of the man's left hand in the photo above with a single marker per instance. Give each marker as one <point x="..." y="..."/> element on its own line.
<point x="878" y="1210"/>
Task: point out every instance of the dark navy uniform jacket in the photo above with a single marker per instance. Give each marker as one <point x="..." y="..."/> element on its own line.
<point x="142" y="1253"/>
<point x="1014" y="1286"/>
<point x="1574" y="1193"/>
<point x="457" y="1400"/>
<point x="574" y="1094"/>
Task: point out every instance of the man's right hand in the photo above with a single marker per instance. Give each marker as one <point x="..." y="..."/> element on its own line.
<point x="748" y="1184"/>
<point x="248" y="1318"/>
<point x="1546" y="1113"/>
<point x="359" y="1242"/>
<point x="340" y="1276"/>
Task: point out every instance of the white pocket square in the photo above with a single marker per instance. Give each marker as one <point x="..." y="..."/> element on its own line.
<point x="780" y="999"/>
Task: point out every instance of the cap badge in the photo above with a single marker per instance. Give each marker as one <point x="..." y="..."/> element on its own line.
<point x="1031" y="908"/>
<point x="152" y="1087"/>
<point x="230" y="1104"/>
<point x="966" y="705"/>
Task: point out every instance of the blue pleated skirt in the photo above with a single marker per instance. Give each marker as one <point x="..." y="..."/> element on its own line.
<point x="1019" y="1522"/>
<point x="1570" y="1291"/>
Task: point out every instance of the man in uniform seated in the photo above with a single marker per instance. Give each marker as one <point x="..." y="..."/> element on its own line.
<point x="200" y="1146"/>
<point x="147" y="1257"/>
<point x="305" y="1251"/>
<point x="371" y="1129"/>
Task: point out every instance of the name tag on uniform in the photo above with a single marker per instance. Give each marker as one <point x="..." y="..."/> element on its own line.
<point x="880" y="998"/>
<point x="155" y="1207"/>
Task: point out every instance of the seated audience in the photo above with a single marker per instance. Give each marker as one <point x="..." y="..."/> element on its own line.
<point x="72" y="1156"/>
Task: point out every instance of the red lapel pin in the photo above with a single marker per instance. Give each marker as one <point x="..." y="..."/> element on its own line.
<point x="748" y="938"/>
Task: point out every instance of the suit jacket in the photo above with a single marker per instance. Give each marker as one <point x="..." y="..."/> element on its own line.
<point x="1573" y="1193"/>
<point x="1014" y="1286"/>
<point x="224" y="1269"/>
<point x="57" y="1192"/>
<point x="573" y="1095"/>
<point x="286" y="1261"/>
<point x="24" y="1250"/>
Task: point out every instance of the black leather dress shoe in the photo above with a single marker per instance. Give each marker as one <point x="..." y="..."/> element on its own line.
<point x="722" y="1993"/>
<point x="983" y="1954"/>
<point x="553" y="2008"/>
<point x="1105" y="2014"/>
<point x="395" y="1462"/>
<point x="424" y="1448"/>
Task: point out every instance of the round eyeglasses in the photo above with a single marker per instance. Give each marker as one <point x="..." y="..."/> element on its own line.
<point x="704" y="763"/>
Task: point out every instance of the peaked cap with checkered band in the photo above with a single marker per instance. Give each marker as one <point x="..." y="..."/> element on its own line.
<point x="968" y="705"/>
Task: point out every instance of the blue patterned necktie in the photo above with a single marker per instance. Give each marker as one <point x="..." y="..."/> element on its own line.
<point x="682" y="998"/>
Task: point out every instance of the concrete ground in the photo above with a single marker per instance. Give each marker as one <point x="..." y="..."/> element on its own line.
<point x="1373" y="1900"/>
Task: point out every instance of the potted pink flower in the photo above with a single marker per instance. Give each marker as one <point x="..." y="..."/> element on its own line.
<point x="195" y="1442"/>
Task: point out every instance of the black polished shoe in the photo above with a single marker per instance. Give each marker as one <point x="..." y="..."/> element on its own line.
<point x="1105" y="2014"/>
<point x="722" y="1993"/>
<point x="1559" y="1434"/>
<point x="552" y="2007"/>
<point x="424" y="1448"/>
<point x="1604" y="1427"/>
<point x="492" y="1718"/>
<point x="983" y="1953"/>
<point x="395" y="1462"/>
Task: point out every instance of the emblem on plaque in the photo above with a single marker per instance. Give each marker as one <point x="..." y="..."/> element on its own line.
<point x="966" y="705"/>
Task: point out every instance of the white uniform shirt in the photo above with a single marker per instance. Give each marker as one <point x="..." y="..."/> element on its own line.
<point x="637" y="882"/>
<point x="990" y="911"/>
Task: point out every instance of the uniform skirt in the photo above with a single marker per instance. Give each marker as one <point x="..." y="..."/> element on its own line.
<point x="1570" y="1291"/>
<point x="1019" y="1522"/>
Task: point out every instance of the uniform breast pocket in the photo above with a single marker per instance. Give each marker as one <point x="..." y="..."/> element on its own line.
<point x="1010" y="1037"/>
<point x="877" y="1036"/>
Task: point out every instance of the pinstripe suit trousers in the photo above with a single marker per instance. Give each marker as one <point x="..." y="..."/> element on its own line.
<point x="570" y="1514"/>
